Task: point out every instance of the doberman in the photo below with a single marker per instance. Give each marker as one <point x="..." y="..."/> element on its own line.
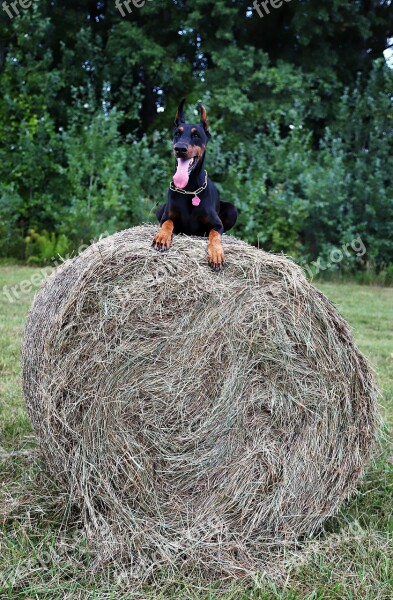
<point x="194" y="206"/>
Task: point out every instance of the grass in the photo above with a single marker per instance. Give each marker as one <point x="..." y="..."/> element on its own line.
<point x="41" y="558"/>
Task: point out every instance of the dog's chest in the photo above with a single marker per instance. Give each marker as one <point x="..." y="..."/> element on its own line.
<point x="189" y="219"/>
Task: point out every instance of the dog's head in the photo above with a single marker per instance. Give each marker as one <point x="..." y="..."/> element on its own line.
<point x="189" y="145"/>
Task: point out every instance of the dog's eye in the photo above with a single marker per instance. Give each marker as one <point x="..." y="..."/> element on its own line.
<point x="195" y="135"/>
<point x="177" y="133"/>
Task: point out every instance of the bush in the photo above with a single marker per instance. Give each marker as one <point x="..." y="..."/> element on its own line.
<point x="11" y="233"/>
<point x="45" y="248"/>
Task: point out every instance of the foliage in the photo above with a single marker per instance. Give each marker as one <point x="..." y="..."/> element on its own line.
<point x="299" y="102"/>
<point x="11" y="206"/>
<point x="45" y="247"/>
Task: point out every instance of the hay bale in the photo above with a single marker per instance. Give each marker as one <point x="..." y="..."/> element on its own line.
<point x="199" y="420"/>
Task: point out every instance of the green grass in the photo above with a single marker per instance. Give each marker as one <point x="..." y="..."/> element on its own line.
<point x="40" y="558"/>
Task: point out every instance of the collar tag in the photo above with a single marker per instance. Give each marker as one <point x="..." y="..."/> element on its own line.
<point x="196" y="201"/>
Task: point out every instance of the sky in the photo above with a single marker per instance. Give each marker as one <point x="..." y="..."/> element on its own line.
<point x="388" y="53"/>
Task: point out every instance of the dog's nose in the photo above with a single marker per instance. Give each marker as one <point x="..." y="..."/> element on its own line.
<point x="181" y="148"/>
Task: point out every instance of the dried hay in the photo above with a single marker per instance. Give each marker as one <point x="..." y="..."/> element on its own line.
<point x="199" y="420"/>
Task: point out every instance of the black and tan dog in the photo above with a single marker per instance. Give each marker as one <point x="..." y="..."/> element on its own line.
<point x="194" y="206"/>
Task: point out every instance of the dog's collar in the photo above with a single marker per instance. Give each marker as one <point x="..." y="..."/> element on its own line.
<point x="198" y="191"/>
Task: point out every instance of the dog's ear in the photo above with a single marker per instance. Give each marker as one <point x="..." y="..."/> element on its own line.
<point x="204" y="121"/>
<point x="180" y="118"/>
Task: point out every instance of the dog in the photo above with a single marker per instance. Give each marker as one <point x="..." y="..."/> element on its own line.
<point x="194" y="206"/>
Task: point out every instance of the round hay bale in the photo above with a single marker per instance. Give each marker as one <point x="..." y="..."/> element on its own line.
<point x="199" y="420"/>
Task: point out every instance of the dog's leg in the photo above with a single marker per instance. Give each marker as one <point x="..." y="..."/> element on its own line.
<point x="227" y="214"/>
<point x="160" y="212"/>
<point x="215" y="251"/>
<point x="162" y="240"/>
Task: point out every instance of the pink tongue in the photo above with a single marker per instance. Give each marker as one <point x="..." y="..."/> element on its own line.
<point x="180" y="178"/>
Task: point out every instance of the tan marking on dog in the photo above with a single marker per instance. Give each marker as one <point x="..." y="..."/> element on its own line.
<point x="163" y="239"/>
<point x="215" y="250"/>
<point x="204" y="118"/>
<point x="196" y="151"/>
<point x="173" y="215"/>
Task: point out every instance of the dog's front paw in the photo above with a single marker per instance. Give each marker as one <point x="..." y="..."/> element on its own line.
<point x="216" y="257"/>
<point x="163" y="239"/>
<point x="215" y="251"/>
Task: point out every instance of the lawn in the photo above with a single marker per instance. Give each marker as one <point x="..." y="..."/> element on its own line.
<point x="39" y="558"/>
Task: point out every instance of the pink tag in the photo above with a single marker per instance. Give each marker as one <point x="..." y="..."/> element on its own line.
<point x="196" y="201"/>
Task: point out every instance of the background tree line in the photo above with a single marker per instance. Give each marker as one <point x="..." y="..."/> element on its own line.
<point x="300" y="105"/>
